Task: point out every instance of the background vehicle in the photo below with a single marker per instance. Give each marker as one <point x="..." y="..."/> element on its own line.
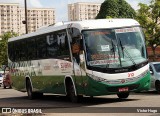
<point x="1" y="78"/>
<point x="7" y="82"/>
<point x="155" y="75"/>
<point x="7" y="78"/>
<point x="91" y="57"/>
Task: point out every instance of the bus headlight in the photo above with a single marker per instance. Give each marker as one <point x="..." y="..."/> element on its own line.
<point x="96" y="78"/>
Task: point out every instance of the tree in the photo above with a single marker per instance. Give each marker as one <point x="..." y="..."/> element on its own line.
<point x="116" y="9"/>
<point x="3" y="46"/>
<point x="149" y="18"/>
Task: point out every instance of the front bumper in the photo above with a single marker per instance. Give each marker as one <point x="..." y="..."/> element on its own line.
<point x="95" y="88"/>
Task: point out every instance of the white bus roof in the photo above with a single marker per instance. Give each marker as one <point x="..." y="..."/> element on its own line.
<point x="82" y="25"/>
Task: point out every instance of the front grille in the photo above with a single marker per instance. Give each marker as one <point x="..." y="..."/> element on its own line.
<point x="116" y="89"/>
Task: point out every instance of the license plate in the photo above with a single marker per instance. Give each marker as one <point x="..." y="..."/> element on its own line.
<point x="123" y="89"/>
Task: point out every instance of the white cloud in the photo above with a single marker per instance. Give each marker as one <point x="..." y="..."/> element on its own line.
<point x="34" y="3"/>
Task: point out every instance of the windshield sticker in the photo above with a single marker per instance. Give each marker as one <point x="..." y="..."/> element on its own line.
<point x="105" y="48"/>
<point x="103" y="56"/>
<point x="102" y="62"/>
<point x="125" y="30"/>
<point x="100" y="33"/>
<point x="137" y="29"/>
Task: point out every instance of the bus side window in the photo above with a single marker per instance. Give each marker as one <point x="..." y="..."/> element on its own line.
<point x="63" y="48"/>
<point x="57" y="45"/>
<point x="41" y="47"/>
<point x="75" y="44"/>
<point x="11" y="52"/>
<point x="31" y="51"/>
<point x="52" y="46"/>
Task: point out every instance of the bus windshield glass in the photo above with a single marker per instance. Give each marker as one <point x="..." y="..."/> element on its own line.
<point x="114" y="48"/>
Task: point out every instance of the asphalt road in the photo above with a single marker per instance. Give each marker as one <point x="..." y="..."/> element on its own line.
<point x="146" y="103"/>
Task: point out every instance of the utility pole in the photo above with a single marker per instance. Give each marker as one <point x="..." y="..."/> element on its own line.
<point x="26" y="22"/>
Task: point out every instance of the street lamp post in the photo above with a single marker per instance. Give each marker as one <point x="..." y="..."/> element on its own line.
<point x="26" y="23"/>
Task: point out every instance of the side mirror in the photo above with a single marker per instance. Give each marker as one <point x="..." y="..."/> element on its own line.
<point x="151" y="72"/>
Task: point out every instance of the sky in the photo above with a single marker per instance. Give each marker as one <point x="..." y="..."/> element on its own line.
<point x="61" y="11"/>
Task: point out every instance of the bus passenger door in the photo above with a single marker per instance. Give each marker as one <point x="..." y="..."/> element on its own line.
<point x="77" y="56"/>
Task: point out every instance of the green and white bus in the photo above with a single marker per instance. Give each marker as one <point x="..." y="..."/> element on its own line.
<point x="90" y="58"/>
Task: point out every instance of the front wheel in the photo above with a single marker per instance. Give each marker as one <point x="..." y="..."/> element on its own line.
<point x="123" y="95"/>
<point x="71" y="92"/>
<point x="29" y="90"/>
<point x="157" y="86"/>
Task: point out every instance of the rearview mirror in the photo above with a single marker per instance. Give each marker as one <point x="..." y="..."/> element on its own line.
<point x="151" y="72"/>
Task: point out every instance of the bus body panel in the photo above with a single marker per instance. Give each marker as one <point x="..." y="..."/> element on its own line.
<point x="85" y="85"/>
<point x="46" y="75"/>
<point x="90" y="87"/>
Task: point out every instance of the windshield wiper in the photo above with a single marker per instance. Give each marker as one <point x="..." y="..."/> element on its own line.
<point x="113" y="49"/>
<point x="123" y="48"/>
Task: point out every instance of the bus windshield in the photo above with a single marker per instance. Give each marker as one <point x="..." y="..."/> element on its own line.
<point x="114" y="48"/>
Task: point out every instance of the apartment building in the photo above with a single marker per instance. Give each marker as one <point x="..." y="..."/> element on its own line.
<point x="12" y="15"/>
<point x="83" y="11"/>
<point x="40" y="17"/>
<point x="9" y="18"/>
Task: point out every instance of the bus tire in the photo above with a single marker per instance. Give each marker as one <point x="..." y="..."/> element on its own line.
<point x="157" y="86"/>
<point x="71" y="92"/>
<point x="29" y="90"/>
<point x="123" y="95"/>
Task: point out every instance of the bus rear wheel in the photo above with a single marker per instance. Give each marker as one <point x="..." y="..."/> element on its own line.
<point x="123" y="95"/>
<point x="157" y="86"/>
